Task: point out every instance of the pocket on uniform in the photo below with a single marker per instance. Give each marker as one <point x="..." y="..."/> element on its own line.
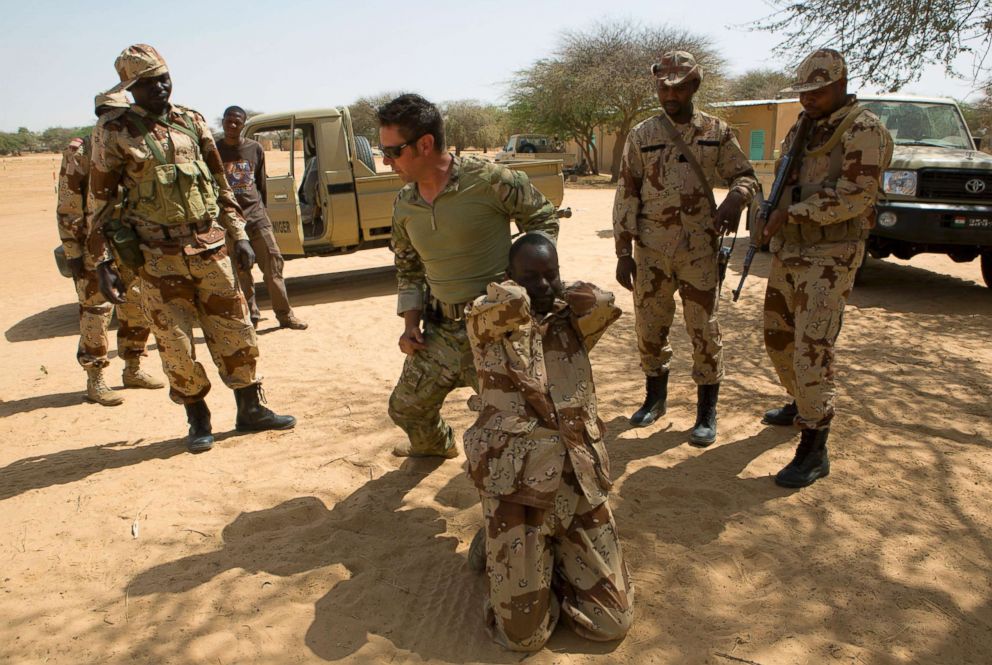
<point x="505" y="457"/>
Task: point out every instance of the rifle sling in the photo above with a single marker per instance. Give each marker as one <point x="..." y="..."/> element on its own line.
<point x="681" y="146"/>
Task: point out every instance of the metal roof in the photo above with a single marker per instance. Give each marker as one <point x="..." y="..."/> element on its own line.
<point x="863" y="98"/>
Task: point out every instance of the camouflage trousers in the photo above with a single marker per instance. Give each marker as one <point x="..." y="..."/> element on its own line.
<point x="804" y="311"/>
<point x="695" y="278"/>
<point x="178" y="292"/>
<point x="428" y="376"/>
<point x="270" y="261"/>
<point x="94" y="321"/>
<point x="564" y="561"/>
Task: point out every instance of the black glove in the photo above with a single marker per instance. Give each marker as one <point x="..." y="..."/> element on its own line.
<point x="111" y="285"/>
<point x="244" y="254"/>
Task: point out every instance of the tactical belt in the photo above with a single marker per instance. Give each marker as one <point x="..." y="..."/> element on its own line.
<point x="162" y="233"/>
<point x="447" y="311"/>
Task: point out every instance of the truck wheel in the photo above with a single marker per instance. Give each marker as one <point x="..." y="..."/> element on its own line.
<point x="528" y="148"/>
<point x="987" y="268"/>
<point x="364" y="150"/>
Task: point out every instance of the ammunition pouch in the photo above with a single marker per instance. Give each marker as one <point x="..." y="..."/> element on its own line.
<point x="172" y="194"/>
<point x="808" y="234"/>
<point x="124" y="243"/>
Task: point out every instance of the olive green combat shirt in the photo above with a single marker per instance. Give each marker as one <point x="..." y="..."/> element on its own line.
<point x="460" y="244"/>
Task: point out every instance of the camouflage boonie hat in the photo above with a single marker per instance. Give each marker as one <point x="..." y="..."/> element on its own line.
<point x="676" y="67"/>
<point x="818" y="70"/>
<point x="138" y="61"/>
<point x="115" y="100"/>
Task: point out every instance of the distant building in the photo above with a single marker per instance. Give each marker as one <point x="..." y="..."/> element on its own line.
<point x="760" y="125"/>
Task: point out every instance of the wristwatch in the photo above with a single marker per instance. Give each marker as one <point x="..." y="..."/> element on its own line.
<point x="621" y="253"/>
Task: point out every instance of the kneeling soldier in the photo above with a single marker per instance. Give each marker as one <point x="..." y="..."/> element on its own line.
<point x="537" y="456"/>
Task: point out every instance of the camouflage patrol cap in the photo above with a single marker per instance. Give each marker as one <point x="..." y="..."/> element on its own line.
<point x="138" y="61"/>
<point x="676" y="67"/>
<point x="114" y="100"/>
<point x="820" y="68"/>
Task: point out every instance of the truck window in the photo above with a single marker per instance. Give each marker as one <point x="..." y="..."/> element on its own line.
<point x="511" y="144"/>
<point x="922" y="123"/>
<point x="277" y="143"/>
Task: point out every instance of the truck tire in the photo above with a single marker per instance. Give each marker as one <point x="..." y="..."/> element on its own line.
<point x="987" y="268"/>
<point x="528" y="148"/>
<point x="364" y="150"/>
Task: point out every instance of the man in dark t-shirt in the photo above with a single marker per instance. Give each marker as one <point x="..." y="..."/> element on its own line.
<point x="244" y="165"/>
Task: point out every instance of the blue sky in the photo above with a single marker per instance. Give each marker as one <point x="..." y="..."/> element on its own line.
<point x="275" y="56"/>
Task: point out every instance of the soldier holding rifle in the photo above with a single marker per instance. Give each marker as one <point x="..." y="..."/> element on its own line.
<point x="817" y="235"/>
<point x="667" y="230"/>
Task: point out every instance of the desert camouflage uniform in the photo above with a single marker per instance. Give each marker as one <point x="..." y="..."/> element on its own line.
<point x="537" y="456"/>
<point x="453" y="248"/>
<point x="817" y="253"/>
<point x="94" y="310"/>
<point x="187" y="277"/>
<point x="662" y="205"/>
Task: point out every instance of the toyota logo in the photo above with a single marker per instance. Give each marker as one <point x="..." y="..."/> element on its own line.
<point x="975" y="186"/>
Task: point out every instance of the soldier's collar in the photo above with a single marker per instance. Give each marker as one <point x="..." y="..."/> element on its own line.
<point x="142" y="111"/>
<point x="840" y="113"/>
<point x="453" y="171"/>
<point x="697" y="119"/>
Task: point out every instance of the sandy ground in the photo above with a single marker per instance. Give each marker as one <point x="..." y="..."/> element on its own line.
<point x="116" y="546"/>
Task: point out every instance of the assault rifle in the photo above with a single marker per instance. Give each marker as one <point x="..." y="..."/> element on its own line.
<point x="788" y="165"/>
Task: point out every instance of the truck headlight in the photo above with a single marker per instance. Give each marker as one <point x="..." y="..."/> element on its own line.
<point x="887" y="219"/>
<point x="899" y="182"/>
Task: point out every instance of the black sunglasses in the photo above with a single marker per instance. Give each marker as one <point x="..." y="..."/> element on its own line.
<point x="394" y="151"/>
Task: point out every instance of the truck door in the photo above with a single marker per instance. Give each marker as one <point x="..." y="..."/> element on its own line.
<point x="283" y="203"/>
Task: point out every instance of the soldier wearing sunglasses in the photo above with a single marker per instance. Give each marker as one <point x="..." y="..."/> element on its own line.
<point x="451" y="238"/>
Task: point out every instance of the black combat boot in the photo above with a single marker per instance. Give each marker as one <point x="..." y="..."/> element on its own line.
<point x="704" y="431"/>
<point x="252" y="416"/>
<point x="656" y="389"/>
<point x="810" y="461"/>
<point x="783" y="415"/>
<point x="200" y="438"/>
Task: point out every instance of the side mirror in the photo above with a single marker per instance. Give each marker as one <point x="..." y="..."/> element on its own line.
<point x="978" y="142"/>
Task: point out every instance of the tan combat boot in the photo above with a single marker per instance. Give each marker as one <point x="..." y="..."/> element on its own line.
<point x="135" y="377"/>
<point x="97" y="389"/>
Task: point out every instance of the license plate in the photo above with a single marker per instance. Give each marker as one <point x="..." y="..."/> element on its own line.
<point x="962" y="222"/>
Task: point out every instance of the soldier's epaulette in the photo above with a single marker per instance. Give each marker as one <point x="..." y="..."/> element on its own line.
<point x="112" y="117"/>
<point x="178" y="109"/>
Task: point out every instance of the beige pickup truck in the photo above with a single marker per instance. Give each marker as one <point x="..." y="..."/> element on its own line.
<point x="330" y="198"/>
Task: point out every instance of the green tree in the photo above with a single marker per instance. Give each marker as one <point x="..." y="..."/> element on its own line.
<point x="758" y="84"/>
<point x="363" y="114"/>
<point x="887" y="43"/>
<point x="469" y="123"/>
<point x="978" y="115"/>
<point x="552" y="98"/>
<point x="614" y="59"/>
